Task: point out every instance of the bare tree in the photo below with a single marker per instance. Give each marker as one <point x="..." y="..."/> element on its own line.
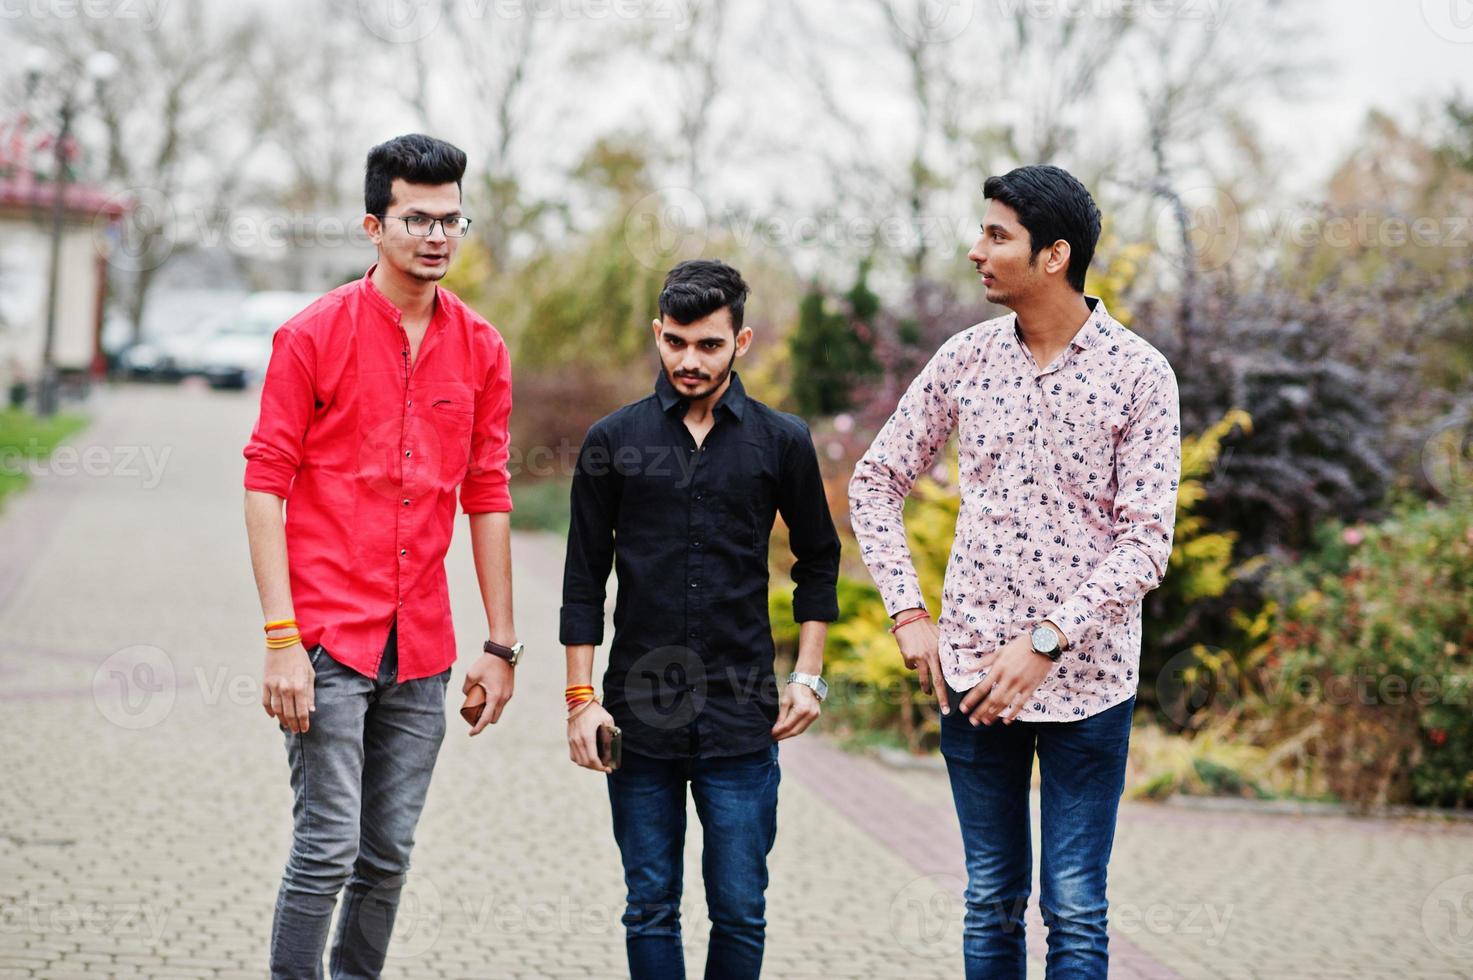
<point x="171" y="121"/>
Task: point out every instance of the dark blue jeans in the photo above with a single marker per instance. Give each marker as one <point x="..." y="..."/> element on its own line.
<point x="359" y="776"/>
<point x="1082" y="773"/>
<point x="736" y="800"/>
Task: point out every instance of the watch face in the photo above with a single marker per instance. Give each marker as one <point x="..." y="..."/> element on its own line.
<point x="821" y="688"/>
<point x="1045" y="640"/>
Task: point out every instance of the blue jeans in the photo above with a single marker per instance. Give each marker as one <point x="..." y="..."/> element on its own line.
<point x="359" y="777"/>
<point x="736" y="800"/>
<point x="1082" y="771"/>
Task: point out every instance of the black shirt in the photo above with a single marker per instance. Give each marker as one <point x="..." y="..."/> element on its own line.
<point x="690" y="669"/>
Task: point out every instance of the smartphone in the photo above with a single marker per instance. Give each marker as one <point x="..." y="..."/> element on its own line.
<point x="610" y="745"/>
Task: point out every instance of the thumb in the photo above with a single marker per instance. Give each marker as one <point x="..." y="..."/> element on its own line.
<point x="784" y="709"/>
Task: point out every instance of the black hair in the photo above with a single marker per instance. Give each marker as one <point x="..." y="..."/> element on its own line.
<point x="700" y="287"/>
<point x="1052" y="204"/>
<point x="417" y="158"/>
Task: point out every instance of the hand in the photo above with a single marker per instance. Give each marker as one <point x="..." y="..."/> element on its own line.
<point x="497" y="676"/>
<point x="288" y="687"/>
<point x="1013" y="672"/>
<point x="583" y="729"/>
<point x="919" y="642"/>
<point x="800" y="708"/>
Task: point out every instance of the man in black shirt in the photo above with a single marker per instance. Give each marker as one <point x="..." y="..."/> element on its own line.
<point x="678" y="492"/>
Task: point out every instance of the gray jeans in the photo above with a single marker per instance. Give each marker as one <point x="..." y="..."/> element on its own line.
<point x="359" y="775"/>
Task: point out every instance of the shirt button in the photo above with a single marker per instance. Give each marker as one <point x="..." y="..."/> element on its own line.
<point x="695" y="544"/>
<point x="698" y="496"/>
<point x="407" y="453"/>
<point x="403" y="552"/>
<point x="406" y="503"/>
<point x="694" y="584"/>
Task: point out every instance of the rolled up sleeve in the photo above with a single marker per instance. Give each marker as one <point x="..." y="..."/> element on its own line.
<point x="274" y="452"/>
<point x="590" y="553"/>
<point x="805" y="509"/>
<point x="487" y="485"/>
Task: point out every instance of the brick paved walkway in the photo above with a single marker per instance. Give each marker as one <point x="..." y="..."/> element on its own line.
<point x="146" y="811"/>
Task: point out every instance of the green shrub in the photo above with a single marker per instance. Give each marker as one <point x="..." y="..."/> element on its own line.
<point x="1372" y="653"/>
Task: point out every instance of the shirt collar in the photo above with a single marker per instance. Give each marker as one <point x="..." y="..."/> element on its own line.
<point x="384" y="305"/>
<point x="733" y="400"/>
<point x="1096" y="325"/>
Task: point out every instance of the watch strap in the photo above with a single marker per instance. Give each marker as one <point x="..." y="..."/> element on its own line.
<point x="511" y="654"/>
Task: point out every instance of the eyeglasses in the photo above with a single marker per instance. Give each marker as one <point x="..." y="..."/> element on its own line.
<point x="421" y="225"/>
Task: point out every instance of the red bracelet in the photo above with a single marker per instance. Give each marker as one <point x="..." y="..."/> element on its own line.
<point x="911" y="619"/>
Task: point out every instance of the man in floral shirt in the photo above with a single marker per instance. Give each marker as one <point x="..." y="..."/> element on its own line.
<point x="1069" y="448"/>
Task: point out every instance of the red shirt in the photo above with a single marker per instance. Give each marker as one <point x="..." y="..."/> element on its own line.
<point x="368" y="450"/>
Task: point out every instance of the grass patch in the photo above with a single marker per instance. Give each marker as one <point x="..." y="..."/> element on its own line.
<point x="24" y="437"/>
<point x="540" y="505"/>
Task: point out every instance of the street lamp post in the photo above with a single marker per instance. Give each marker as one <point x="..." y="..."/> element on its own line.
<point x="99" y="68"/>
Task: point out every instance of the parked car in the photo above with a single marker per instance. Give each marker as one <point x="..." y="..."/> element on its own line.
<point x="237" y="352"/>
<point x="176" y="324"/>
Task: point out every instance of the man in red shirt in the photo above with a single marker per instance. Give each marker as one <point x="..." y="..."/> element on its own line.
<point x="382" y="399"/>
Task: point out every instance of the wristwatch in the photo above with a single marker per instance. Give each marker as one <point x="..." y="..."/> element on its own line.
<point x="1046" y="642"/>
<point x="510" y="654"/>
<point x="818" y="684"/>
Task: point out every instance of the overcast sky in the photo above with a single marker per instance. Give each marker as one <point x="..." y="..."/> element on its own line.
<point x="1393" y="54"/>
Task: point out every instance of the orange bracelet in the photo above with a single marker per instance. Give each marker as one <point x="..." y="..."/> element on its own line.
<point x="923" y="614"/>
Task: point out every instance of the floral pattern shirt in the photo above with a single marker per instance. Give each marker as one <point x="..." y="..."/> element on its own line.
<point x="1068" y="479"/>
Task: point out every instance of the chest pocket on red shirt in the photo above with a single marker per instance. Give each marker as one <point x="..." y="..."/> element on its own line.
<point x="449" y="411"/>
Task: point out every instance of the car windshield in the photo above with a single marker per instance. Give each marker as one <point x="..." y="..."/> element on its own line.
<point x="251" y="326"/>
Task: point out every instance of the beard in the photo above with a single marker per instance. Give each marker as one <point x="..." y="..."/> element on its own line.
<point x="428" y="275"/>
<point x="704" y="392"/>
